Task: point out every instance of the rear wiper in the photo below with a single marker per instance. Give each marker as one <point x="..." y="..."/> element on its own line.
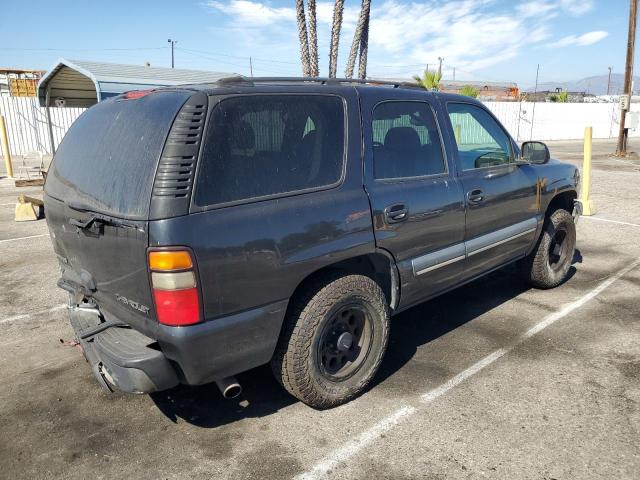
<point x="95" y="217"/>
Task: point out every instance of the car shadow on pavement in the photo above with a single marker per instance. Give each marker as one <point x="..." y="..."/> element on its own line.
<point x="204" y="406"/>
<point x="262" y="395"/>
<point x="430" y="320"/>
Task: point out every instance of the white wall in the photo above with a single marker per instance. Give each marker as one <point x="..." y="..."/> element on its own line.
<point x="559" y="121"/>
<point x="27" y="122"/>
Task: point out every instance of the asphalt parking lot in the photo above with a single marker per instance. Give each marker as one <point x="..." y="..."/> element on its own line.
<point x="493" y="380"/>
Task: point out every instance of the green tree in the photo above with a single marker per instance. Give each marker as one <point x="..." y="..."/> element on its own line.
<point x="429" y="80"/>
<point x="469" y="91"/>
<point x="563" y="97"/>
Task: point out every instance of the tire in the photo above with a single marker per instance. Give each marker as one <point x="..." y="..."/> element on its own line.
<point x="314" y="360"/>
<point x="547" y="266"/>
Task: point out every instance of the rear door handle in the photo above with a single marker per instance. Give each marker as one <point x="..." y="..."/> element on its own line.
<point x="396" y="213"/>
<point x="475" y="196"/>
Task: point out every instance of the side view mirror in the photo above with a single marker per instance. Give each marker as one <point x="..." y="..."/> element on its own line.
<point x="535" y="152"/>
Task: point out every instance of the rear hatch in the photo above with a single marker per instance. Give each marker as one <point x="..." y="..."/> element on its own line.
<point x="98" y="200"/>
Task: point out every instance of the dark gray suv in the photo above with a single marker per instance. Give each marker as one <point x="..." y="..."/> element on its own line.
<point x="205" y="230"/>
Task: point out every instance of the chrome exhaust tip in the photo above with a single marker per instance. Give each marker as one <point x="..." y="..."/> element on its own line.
<point x="229" y="387"/>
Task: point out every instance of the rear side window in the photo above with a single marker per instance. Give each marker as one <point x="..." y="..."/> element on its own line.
<point x="261" y="145"/>
<point x="108" y="158"/>
<point x="406" y="141"/>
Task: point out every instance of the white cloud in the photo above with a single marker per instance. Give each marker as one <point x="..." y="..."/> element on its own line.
<point x="254" y="13"/>
<point x="577" y="7"/>
<point x="536" y="8"/>
<point x="469" y="34"/>
<point x="580" y="40"/>
<point x="406" y="35"/>
<point x="551" y="8"/>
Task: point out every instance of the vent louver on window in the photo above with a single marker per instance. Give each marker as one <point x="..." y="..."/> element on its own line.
<point x="174" y="178"/>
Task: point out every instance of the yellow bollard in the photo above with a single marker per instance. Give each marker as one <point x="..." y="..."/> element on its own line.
<point x="5" y="148"/>
<point x="587" y="206"/>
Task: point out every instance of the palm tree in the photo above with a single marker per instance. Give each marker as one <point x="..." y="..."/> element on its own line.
<point x="313" y="39"/>
<point x="363" y="22"/>
<point x="429" y="80"/>
<point x="335" y="37"/>
<point x="470" y="91"/>
<point x="364" y="43"/>
<point x="304" y="42"/>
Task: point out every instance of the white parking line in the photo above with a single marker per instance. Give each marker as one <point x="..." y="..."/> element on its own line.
<point x="609" y="221"/>
<point x="348" y="450"/>
<point x="26" y="316"/>
<point x="23" y="238"/>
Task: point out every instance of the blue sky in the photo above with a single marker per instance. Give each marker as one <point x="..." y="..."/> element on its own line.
<point x="498" y="40"/>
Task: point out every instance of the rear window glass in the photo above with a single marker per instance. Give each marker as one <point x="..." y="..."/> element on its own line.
<point x="406" y="141"/>
<point x="260" y="145"/>
<point x="108" y="158"/>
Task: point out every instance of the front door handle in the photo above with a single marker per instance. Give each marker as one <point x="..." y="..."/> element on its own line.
<point x="396" y="213"/>
<point x="475" y="196"/>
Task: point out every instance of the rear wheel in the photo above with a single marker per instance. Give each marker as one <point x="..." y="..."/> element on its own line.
<point x="333" y="342"/>
<point x="549" y="263"/>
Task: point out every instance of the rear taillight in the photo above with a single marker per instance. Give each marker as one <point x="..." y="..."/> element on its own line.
<point x="175" y="288"/>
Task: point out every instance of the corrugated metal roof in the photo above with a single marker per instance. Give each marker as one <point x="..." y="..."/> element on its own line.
<point x="82" y="83"/>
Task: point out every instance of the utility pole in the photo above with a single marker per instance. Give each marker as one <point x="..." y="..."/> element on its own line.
<point x="172" y="42"/>
<point x="440" y="59"/>
<point x="609" y="82"/>
<point x="250" y="67"/>
<point x="454" y="74"/>
<point x="621" y="151"/>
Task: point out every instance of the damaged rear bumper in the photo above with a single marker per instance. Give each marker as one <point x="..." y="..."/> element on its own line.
<point x="121" y="357"/>
<point x="125" y="358"/>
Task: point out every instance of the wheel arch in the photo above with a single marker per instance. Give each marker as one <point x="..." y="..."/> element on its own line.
<point x="380" y="266"/>
<point x="564" y="200"/>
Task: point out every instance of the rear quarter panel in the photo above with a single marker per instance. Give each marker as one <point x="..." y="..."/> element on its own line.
<point x="257" y="253"/>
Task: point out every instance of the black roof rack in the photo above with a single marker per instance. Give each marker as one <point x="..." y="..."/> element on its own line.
<point x="249" y="81"/>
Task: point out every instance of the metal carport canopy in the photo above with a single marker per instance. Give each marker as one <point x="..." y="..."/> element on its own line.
<point x="82" y="83"/>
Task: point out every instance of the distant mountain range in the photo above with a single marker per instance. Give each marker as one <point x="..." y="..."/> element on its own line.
<point x="595" y="85"/>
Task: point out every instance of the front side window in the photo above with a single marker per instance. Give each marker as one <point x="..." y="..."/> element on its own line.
<point x="480" y="140"/>
<point x="406" y="141"/>
<point x="261" y="145"/>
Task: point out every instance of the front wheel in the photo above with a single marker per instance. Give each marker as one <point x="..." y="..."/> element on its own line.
<point x="333" y="342"/>
<point x="547" y="266"/>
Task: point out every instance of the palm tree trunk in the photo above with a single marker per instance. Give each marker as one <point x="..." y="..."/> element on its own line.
<point x="357" y="37"/>
<point x="364" y="41"/>
<point x="313" y="39"/>
<point x="304" y="42"/>
<point x="335" y="37"/>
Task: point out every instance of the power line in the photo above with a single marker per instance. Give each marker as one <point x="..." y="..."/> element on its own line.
<point x="189" y="52"/>
<point x="239" y="57"/>
<point x="81" y="49"/>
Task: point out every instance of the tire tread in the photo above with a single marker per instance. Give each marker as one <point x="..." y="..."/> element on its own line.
<point x="291" y="361"/>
